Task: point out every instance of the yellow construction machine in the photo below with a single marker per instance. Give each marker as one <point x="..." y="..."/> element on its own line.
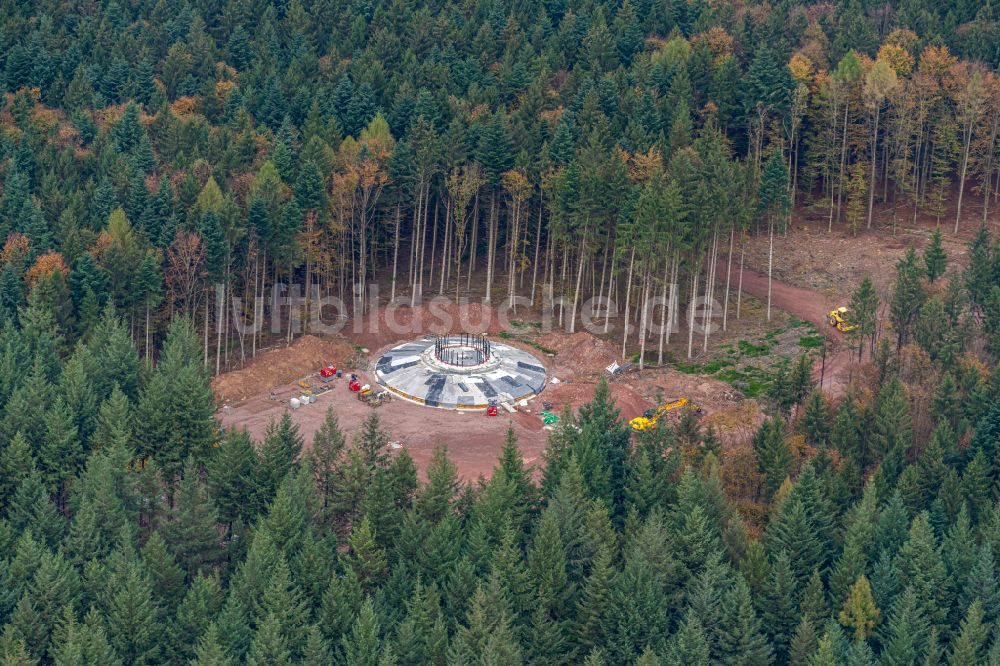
<point x="648" y="420"/>
<point x="840" y="320"/>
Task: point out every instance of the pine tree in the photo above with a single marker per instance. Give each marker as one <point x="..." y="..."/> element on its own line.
<point x="325" y="454"/>
<point x="689" y="645"/>
<point x="341" y="604"/>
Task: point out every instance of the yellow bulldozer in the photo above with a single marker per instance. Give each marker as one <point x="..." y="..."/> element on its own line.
<point x="648" y="420"/>
<point x="840" y="319"/>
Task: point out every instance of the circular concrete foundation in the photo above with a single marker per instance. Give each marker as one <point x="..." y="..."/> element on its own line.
<point x="467" y="376"/>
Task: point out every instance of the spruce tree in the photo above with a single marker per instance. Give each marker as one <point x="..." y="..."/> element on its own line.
<point x="234" y="478"/>
<point x="969" y="647"/>
<point x="922" y="570"/>
<point x="281" y="448"/>
<point x="907" y="297"/>
<point x="816" y="420"/>
<point x="191" y="532"/>
<point x="935" y="258"/>
<point x="741" y="640"/>
<point x="780" y="608"/>
<point x="210" y="651"/>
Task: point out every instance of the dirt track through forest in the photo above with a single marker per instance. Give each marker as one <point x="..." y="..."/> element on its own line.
<point x="807" y="305"/>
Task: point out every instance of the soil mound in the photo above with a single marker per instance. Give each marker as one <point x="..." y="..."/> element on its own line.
<point x="578" y="354"/>
<point x="276" y="367"/>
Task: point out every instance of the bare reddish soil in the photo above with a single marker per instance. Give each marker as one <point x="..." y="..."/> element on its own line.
<point x="474" y="439"/>
<point x="281" y="365"/>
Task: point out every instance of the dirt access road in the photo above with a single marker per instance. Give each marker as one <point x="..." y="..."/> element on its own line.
<point x="807" y="305"/>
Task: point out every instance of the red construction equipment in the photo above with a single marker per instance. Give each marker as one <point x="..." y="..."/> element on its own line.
<point x="328" y="373"/>
<point x="492" y="409"/>
<point x="354" y="384"/>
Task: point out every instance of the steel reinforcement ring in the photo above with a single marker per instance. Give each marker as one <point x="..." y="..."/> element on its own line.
<point x="463" y="350"/>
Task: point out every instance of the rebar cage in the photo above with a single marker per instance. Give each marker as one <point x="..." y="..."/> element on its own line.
<point x="462" y="350"/>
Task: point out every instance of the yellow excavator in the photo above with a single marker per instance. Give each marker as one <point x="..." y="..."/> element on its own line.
<point x="648" y="420"/>
<point x="839" y="320"/>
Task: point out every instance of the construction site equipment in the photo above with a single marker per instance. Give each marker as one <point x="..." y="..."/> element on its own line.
<point x="328" y="374"/>
<point x="354" y="384"/>
<point x="651" y="416"/>
<point x="839" y="319"/>
<point x="548" y="418"/>
<point x="492" y="408"/>
<point x="294" y="403"/>
<point x="372" y="398"/>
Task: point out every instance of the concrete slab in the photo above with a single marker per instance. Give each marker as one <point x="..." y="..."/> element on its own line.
<point x="412" y="371"/>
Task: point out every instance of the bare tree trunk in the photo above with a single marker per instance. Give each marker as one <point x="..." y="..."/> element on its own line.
<point x="538" y="242"/>
<point x="446" y="249"/>
<point x="729" y="277"/>
<point x="739" y="289"/>
<point x="665" y="308"/>
<point x="220" y="310"/>
<point x="205" y="351"/>
<point x="871" y="188"/>
<point x="434" y="242"/>
<point x="696" y="270"/>
<point x="710" y="283"/>
<point x="512" y="245"/>
<point x="770" y="264"/>
<point x="642" y="321"/>
<point x="491" y="249"/>
<point x="611" y="286"/>
<point x="579" y="279"/>
<point x="966" y="141"/>
<point x="674" y="298"/>
<point x="474" y="240"/>
<point x="628" y="297"/>
<point x="395" y="252"/>
<point x="843" y="160"/>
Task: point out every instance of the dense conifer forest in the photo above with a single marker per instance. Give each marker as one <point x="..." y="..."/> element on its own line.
<point x="163" y="163"/>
